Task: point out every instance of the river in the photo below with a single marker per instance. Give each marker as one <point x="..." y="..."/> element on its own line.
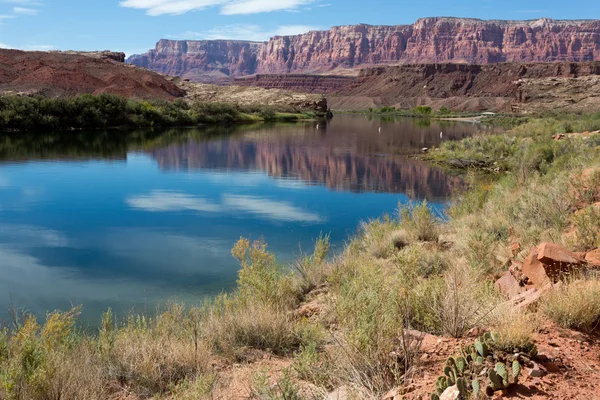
<point x="131" y="220"/>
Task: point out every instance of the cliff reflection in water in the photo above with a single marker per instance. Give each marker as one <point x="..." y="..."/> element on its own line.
<point x="350" y="154"/>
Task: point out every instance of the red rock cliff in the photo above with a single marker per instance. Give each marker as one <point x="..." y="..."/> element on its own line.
<point x="347" y="47"/>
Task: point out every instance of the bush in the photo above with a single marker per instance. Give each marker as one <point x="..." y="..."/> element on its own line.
<point x="574" y="304"/>
<point x="423" y="110"/>
<point x="419" y="221"/>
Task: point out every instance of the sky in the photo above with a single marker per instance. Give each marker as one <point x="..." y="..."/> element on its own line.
<point x="134" y="26"/>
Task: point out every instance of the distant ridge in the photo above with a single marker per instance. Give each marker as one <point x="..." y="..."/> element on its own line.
<point x="342" y="50"/>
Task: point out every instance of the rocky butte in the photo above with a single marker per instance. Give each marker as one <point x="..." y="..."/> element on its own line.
<point x="344" y="49"/>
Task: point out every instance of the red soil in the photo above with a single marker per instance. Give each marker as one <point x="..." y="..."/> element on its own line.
<point x="60" y="74"/>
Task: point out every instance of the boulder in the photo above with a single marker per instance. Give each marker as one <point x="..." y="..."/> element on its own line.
<point x="529" y="297"/>
<point x="593" y="258"/>
<point x="548" y="261"/>
<point x="451" y="393"/>
<point x="509" y="285"/>
<point x="553" y="254"/>
<point x="534" y="270"/>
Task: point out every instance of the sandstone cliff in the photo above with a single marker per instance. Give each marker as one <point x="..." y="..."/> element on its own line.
<point x="202" y="61"/>
<point x="345" y="48"/>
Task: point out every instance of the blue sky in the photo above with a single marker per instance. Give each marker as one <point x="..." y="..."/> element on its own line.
<point x="134" y="26"/>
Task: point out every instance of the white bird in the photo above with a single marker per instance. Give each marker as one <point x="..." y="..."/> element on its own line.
<point x="441" y="134"/>
<point x="317" y="126"/>
<point x="379" y="129"/>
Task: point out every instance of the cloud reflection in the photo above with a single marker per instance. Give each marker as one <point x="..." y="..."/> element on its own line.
<point x="273" y="210"/>
<point x="163" y="201"/>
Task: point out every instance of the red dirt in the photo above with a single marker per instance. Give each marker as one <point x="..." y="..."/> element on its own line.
<point x="62" y="74"/>
<point x="569" y="361"/>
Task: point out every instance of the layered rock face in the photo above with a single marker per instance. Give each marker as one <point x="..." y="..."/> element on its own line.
<point x="202" y="61"/>
<point x="345" y="48"/>
<point x="448" y="80"/>
<point x="322" y="84"/>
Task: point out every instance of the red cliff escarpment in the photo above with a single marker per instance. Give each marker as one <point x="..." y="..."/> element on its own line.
<point x="343" y="49"/>
<point x="201" y="60"/>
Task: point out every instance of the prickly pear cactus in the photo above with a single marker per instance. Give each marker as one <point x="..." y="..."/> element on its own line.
<point x="516" y="370"/>
<point x="502" y="372"/>
<point x="463" y="388"/>
<point x="476" y="387"/>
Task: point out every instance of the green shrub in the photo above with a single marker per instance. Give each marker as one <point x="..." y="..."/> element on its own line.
<point x="423" y="110"/>
<point x="419" y="221"/>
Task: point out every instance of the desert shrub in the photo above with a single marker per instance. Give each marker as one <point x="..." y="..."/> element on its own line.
<point x="315" y="367"/>
<point x="587" y="229"/>
<point x="465" y="301"/>
<point x="51" y="360"/>
<point x="230" y="327"/>
<point x="312" y="269"/>
<point x="199" y="387"/>
<point x="261" y="279"/>
<point x="284" y="389"/>
<point x="574" y="304"/>
<point x="371" y="314"/>
<point x="514" y="328"/>
<point x="153" y="354"/>
<point x="423" y="110"/>
<point x="374" y="238"/>
<point x="419" y="221"/>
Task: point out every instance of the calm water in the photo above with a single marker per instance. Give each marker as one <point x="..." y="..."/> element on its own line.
<point x="131" y="220"/>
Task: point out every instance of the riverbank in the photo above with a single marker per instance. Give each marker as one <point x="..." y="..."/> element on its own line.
<point x="379" y="320"/>
<point x="22" y="113"/>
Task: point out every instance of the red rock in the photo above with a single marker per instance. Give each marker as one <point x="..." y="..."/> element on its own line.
<point x="72" y="73"/>
<point x="534" y="270"/>
<point x="529" y="297"/>
<point x="508" y="285"/>
<point x="557" y="260"/>
<point x="593" y="257"/>
<point x="428" y="40"/>
<point x="515" y="248"/>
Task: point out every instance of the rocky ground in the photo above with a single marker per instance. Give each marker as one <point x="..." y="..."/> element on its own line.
<point x="247" y="96"/>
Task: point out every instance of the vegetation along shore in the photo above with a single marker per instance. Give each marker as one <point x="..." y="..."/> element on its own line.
<point x="408" y="299"/>
<point x="104" y="111"/>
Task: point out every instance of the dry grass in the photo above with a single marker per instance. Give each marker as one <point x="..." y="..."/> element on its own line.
<point x="574" y="304"/>
<point x="419" y="221"/>
<point x="515" y="328"/>
<point x="465" y="302"/>
<point x="258" y="326"/>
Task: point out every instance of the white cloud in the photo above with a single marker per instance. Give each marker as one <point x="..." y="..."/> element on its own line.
<point x="4" y="46"/>
<point x="4" y="16"/>
<point x="260" y="6"/>
<point x="25" y="11"/>
<point x="274" y="210"/>
<point x="245" y="32"/>
<point x="228" y="7"/>
<point x="40" y="47"/>
<point x="162" y="201"/>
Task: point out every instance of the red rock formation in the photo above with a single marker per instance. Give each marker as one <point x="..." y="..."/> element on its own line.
<point x="60" y="74"/>
<point x="428" y="40"/>
<point x="202" y="61"/>
<point x="322" y="84"/>
<point x="447" y="80"/>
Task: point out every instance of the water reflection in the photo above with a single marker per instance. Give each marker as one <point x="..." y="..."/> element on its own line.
<point x="131" y="219"/>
